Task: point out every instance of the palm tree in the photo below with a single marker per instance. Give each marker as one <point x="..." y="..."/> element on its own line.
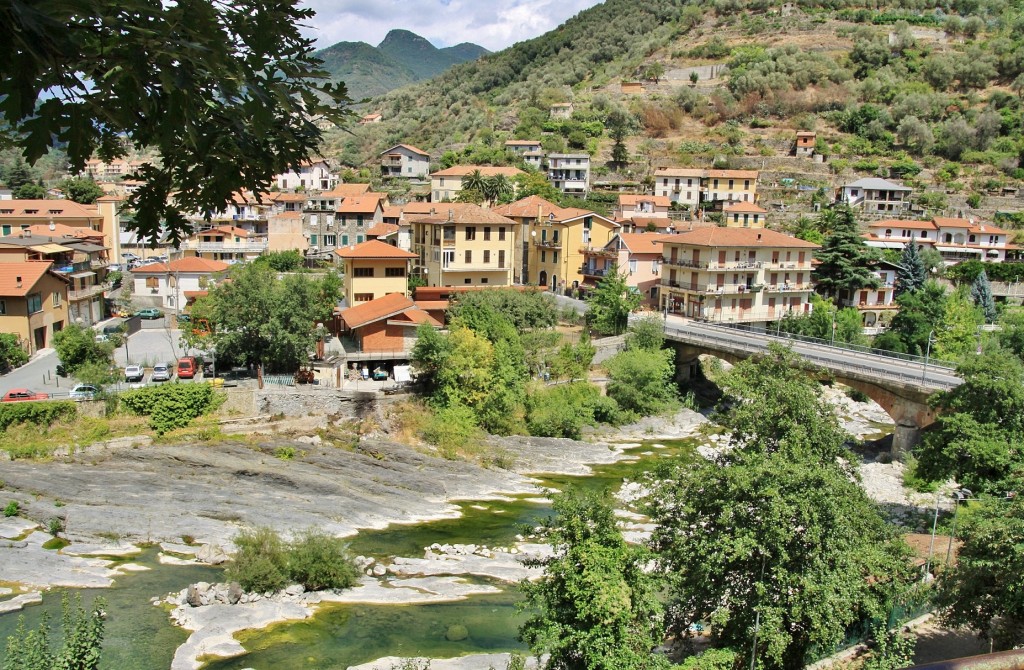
<point x="475" y="181"/>
<point x="498" y="187"/>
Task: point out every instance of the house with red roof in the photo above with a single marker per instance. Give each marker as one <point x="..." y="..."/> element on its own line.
<point x="385" y="325"/>
<point x="225" y="243"/>
<point x="171" y="284"/>
<point x="373" y="269"/>
<point x="33" y="302"/>
<point x="637" y="256"/>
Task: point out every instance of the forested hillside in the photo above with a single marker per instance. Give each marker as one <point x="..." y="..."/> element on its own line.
<point x="928" y="92"/>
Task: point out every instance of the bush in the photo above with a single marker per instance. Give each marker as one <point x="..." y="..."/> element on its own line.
<point x="319" y="561"/>
<point x="12" y="508"/>
<point x="452" y="428"/>
<point x="264" y="563"/>
<point x="562" y="411"/>
<point x="11" y="353"/>
<point x="43" y="413"/>
<point x="171" y="406"/>
<point x="640" y="381"/>
<point x="913" y="480"/>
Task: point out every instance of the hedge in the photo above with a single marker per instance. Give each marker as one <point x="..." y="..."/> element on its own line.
<point x="170" y="406"/>
<point x="40" y="413"/>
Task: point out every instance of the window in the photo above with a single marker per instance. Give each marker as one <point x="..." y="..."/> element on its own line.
<point x="362" y="272"/>
<point x="487" y="233"/>
<point x="469" y="256"/>
<point x="501" y="233"/>
<point x="312" y="240"/>
<point x="359" y="239"/>
<point x="501" y="258"/>
<point x="359" y="220"/>
<point x="467" y="280"/>
<point x="394" y="272"/>
<point x="362" y="297"/>
<point x="5" y="229"/>
<point x="152" y="282"/>
<point x="554" y="256"/>
<point x="55" y="299"/>
<point x="487" y="256"/>
<point x="330" y="240"/>
<point x="470" y="233"/>
<point x="344" y="240"/>
<point x="3" y="306"/>
<point x="483" y="280"/>
<point x="35" y="303"/>
<point x="543" y="257"/>
<point x="655" y="267"/>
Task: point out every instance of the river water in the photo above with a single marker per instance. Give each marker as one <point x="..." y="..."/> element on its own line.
<point x="139" y="635"/>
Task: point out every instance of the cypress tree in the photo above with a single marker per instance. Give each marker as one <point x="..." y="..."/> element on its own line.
<point x="912" y="273"/>
<point x="981" y="294"/>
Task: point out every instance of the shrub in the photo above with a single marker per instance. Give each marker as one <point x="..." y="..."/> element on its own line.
<point x="11" y="353"/>
<point x="172" y="405"/>
<point x="913" y="480"/>
<point x="319" y="561"/>
<point x="562" y="411"/>
<point x="265" y="563"/>
<point x="42" y="413"/>
<point x="641" y="381"/>
<point x="261" y="562"/>
<point x="452" y="428"/>
<point x="12" y="508"/>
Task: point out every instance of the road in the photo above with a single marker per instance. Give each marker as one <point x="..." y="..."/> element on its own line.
<point x="932" y="378"/>
<point x="154" y="343"/>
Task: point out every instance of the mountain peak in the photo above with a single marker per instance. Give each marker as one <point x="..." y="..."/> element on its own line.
<point x="399" y="39"/>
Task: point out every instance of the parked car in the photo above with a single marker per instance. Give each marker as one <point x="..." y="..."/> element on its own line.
<point x="161" y="373"/>
<point x="18" y="395"/>
<point x="134" y="373"/>
<point x="84" y="392"/>
<point x="149" y="313"/>
<point x="188" y="367"/>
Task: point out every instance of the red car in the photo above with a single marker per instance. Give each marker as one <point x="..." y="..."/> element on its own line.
<point x="17" y="395"/>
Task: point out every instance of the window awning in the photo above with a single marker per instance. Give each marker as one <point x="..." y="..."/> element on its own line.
<point x="49" y="248"/>
<point x="960" y="250"/>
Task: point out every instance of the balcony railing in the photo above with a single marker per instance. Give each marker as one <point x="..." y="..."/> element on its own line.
<point x="714" y="265"/>
<point x="588" y="271"/>
<point x="787" y="265"/>
<point x="600" y="252"/>
<point x="453" y="267"/>
<point x="98" y="263"/>
<point x="87" y="292"/>
<point x="548" y="244"/>
<point x="783" y="288"/>
<point x="226" y="247"/>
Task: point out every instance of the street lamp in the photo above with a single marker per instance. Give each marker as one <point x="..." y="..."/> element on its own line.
<point x="961" y="495"/>
<point x="832" y="342"/>
<point x="927" y="354"/>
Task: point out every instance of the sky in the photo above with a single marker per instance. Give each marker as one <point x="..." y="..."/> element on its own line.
<point x="493" y="24"/>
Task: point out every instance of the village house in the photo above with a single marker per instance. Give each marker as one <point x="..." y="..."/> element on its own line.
<point x="957" y="240"/>
<point x="698" y="188"/>
<point x="805" y="142"/>
<point x="525" y="212"/>
<point x="637" y="256"/>
<point x="570" y="173"/>
<point x="373" y="270"/>
<point x="876" y="305"/>
<point x="744" y="215"/>
<point x="386" y="325"/>
<point x="445" y="185"/>
<point x="313" y="175"/>
<point x="33" y="303"/>
<point x="741" y="275"/>
<point x="646" y="206"/>
<point x="373" y="117"/>
<point x="561" y="110"/>
<point x="76" y="254"/>
<point x="530" y="151"/>
<point x="102" y="218"/>
<point x="406" y="161"/>
<point x="173" y="284"/>
<point x="557" y="243"/>
<point x="873" y="194"/>
<point x="225" y="243"/>
<point x="461" y="244"/>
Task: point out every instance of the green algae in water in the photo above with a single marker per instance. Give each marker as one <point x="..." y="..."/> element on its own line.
<point x="56" y="543"/>
<point x="343" y="635"/>
<point x="138" y="635"/>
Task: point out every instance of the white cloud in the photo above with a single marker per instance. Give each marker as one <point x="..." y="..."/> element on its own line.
<point x="491" y="24"/>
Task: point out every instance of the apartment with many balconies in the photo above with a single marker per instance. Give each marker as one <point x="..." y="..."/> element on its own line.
<point x="635" y="256"/>
<point x="738" y="275"/>
<point x="957" y="240"/>
<point x="699" y="188"/>
<point x="461" y="244"/>
<point x="569" y="173"/>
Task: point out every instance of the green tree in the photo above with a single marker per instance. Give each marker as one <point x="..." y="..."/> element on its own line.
<point x="982" y="591"/>
<point x="654" y="72"/>
<point x="499" y="188"/>
<point x="957" y="333"/>
<point x="647" y="333"/>
<point x="563" y="410"/>
<point x="12" y="354"/>
<point x="978" y="437"/>
<point x="245" y="111"/>
<point x="259" y="318"/>
<point x="911" y="274"/>
<point x="573" y="360"/>
<point x="844" y="259"/>
<point x="19" y="174"/>
<point x="535" y="183"/>
<point x="890" y="649"/>
<point x="981" y="294"/>
<point x="282" y="261"/>
<point x="81" y="635"/>
<point x="640" y="381"/>
<point x="595" y="607"/>
<point x="826" y="322"/>
<point x="918" y="319"/>
<point x="475" y="181"/>
<point x="30" y="192"/>
<point x="77" y="346"/>
<point x="611" y="303"/>
<point x="618" y="125"/>
<point x="82" y="190"/>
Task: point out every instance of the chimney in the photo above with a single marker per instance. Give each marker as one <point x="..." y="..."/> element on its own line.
<point x="759" y="237"/>
<point x="433" y="211"/>
<point x="18" y="280"/>
<point x="451" y="215"/>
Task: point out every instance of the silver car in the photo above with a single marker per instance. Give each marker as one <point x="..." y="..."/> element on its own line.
<point x="161" y="373"/>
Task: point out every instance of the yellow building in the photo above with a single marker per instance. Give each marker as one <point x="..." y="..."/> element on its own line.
<point x="461" y="244"/>
<point x="101" y="218"/>
<point x="744" y="215"/>
<point x="736" y="274"/>
<point x="446" y="184"/>
<point x="33" y="303"/>
<point x="373" y="270"/>
<point x="705" y="189"/>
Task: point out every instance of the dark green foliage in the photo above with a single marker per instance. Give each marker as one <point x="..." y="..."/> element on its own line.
<point x="11" y="509"/>
<point x="712" y="659"/>
<point x="595" y="607"/>
<point x="451" y="429"/>
<point x="563" y="410"/>
<point x="890" y="650"/>
<point x="39" y="413"/>
<point x="573" y="360"/>
<point x="981" y="294"/>
<point x="81" y="640"/>
<point x="77" y="346"/>
<point x="320" y="561"/>
<point x="29" y="192"/>
<point x="260" y="564"/>
<point x="81" y="189"/>
<point x="243" y="113"/>
<point x="640" y="381"/>
<point x="11" y="353"/>
<point x="968" y="271"/>
<point x="647" y="333"/>
<point x="844" y="259"/>
<point x="848" y="327"/>
<point x="523" y="309"/>
<point x="982" y="591"/>
<point x="921" y="314"/>
<point x="282" y="261"/>
<point x="170" y="406"/>
<point x="978" y="436"/>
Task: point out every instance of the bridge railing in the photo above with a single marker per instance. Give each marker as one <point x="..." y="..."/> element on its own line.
<point x="910" y="377"/>
<point x="911" y="358"/>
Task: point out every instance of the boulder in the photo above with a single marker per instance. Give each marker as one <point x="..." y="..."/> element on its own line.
<point x="295" y="590"/>
<point x="212" y="555"/>
<point x="234" y="593"/>
<point x="456" y="633"/>
<point x="379" y="570"/>
<point x="193" y="597"/>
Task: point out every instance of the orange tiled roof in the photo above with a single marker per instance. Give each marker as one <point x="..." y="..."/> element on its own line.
<point x="375" y="310"/>
<point x="59" y="230"/>
<point x="45" y="209"/>
<point x="900" y="223"/>
<point x="373" y="249"/>
<point x="631" y="199"/>
<point x="367" y="203"/>
<point x="382" y="230"/>
<point x="29" y="271"/>
<point x="463" y="212"/>
<point x="418" y="316"/>
<point x="485" y="170"/>
<point x="345" y="191"/>
<point x="736" y="237"/>
<point x="530" y="207"/>
<point x="410" y="147"/>
<point x="642" y="243"/>
<point x="744" y="207"/>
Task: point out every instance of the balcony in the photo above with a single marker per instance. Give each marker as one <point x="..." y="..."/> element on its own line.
<point x="547" y="244"/>
<point x="714" y="265"/>
<point x="98" y="263"/>
<point x="727" y="289"/>
<point x="600" y="252"/>
<point x="454" y="267"/>
<point x="87" y="292"/>
<point x="787" y="265"/>
<point x="588" y="271"/>
<point x="791" y="287"/>
<point x="251" y="246"/>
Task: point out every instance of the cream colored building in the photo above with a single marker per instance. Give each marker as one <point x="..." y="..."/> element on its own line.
<point x="373" y="270"/>
<point x="743" y="275"/>
<point x="102" y="217"/>
<point x="445" y="185"/>
<point x="33" y="303"/>
<point x="557" y="245"/>
<point x="225" y="243"/>
<point x="461" y="244"/>
<point x="744" y="215"/>
<point x="704" y="188"/>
